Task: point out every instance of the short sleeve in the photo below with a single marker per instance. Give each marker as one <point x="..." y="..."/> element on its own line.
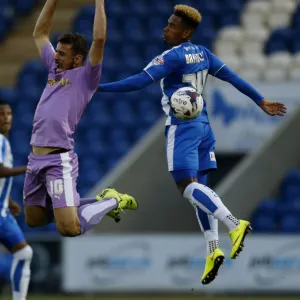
<point x="92" y="74"/>
<point x="215" y="64"/>
<point x="163" y="65"/>
<point x="48" y="56"/>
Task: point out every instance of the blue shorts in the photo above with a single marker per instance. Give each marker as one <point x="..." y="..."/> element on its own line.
<point x="10" y="232"/>
<point x="190" y="146"/>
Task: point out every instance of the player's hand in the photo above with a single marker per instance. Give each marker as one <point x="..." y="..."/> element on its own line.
<point x="14" y="208"/>
<point x="273" y="108"/>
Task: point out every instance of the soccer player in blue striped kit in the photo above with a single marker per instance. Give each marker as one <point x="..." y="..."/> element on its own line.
<point x="190" y="144"/>
<point x="11" y="235"/>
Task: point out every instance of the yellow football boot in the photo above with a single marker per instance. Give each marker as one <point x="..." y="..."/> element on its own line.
<point x="125" y="202"/>
<point x="212" y="266"/>
<point x="237" y="237"/>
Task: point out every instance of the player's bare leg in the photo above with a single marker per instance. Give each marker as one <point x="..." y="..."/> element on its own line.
<point x="36" y="216"/>
<point x="73" y="221"/>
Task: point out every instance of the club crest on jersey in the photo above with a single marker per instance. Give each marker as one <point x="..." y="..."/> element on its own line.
<point x="158" y="60"/>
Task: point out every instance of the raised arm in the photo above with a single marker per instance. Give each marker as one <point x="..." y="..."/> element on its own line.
<point x="42" y="27"/>
<point x="99" y="34"/>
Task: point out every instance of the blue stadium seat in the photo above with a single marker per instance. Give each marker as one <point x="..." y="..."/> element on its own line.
<point x="229" y="19"/>
<point x="211" y="8"/>
<point x="84" y="19"/>
<point x="139" y="8"/>
<point x="205" y="37"/>
<point x="290" y="187"/>
<point x="270" y="206"/>
<point x="208" y="22"/>
<point x="122" y="112"/>
<point x="152" y="51"/>
<point x="163" y="9"/>
<point x="9" y="94"/>
<point x="7" y="16"/>
<point x="295" y="43"/>
<point x="155" y="27"/>
<point x="111" y="162"/>
<point x="235" y="6"/>
<point x="296" y="18"/>
<point x="290" y="223"/>
<point x="10" y="10"/>
<point x="264" y="223"/>
<point x="139" y="133"/>
<point x="24" y="7"/>
<point x="279" y="40"/>
<point x="116" y="8"/>
<point x="3" y="29"/>
<point x="147" y="112"/>
<point x="290" y="207"/>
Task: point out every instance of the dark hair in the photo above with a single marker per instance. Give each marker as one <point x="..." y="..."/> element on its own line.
<point x="78" y="42"/>
<point x="3" y="102"/>
<point x="187" y="21"/>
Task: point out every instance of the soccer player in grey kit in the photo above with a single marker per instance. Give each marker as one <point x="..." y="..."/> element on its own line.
<point x="52" y="170"/>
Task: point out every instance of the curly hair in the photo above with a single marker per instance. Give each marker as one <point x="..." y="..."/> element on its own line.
<point x="190" y="16"/>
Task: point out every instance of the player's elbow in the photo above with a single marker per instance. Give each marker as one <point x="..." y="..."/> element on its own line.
<point x="37" y="35"/>
<point x="99" y="39"/>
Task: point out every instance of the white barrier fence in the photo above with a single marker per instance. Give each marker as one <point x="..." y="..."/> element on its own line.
<point x="175" y="263"/>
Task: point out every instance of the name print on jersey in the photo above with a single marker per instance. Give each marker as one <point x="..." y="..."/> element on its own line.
<point x="194" y="58"/>
<point x="63" y="82"/>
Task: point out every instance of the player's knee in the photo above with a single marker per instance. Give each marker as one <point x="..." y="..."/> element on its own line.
<point x="184" y="183"/>
<point x="68" y="229"/>
<point x="24" y="254"/>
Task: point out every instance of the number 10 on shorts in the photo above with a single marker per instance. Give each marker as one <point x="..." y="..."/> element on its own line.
<point x="56" y="186"/>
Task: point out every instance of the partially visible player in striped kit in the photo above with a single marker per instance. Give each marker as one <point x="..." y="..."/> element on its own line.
<point x="11" y="235"/>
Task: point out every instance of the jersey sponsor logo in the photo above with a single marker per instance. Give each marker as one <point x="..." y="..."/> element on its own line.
<point x="212" y="156"/>
<point x="158" y="60"/>
<point x="63" y="82"/>
<point x="194" y="58"/>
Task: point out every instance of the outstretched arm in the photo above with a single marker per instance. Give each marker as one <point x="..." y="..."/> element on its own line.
<point x="221" y="71"/>
<point x="42" y="27"/>
<point x="99" y="34"/>
<point x="240" y="84"/>
<point x="269" y="107"/>
<point x="133" y="83"/>
<point x="8" y="172"/>
<point x="160" y="67"/>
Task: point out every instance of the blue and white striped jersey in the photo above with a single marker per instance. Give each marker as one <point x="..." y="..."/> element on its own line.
<point x="184" y="65"/>
<point x="6" y="159"/>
